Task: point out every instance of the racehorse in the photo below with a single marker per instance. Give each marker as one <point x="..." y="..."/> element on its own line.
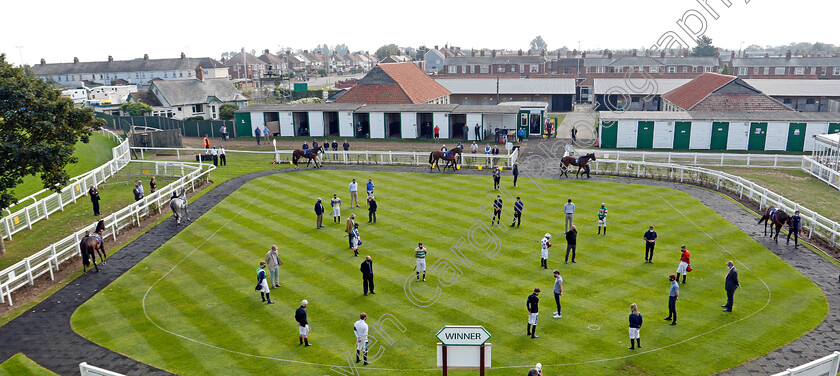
<point x="92" y="244"/>
<point x="310" y="155"/>
<point x="581" y="162"/>
<point x="451" y="158"/>
<point x="178" y="204"/>
<point x="774" y="217"/>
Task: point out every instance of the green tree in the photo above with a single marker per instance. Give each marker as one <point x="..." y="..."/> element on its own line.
<point x="725" y="69"/>
<point x="136" y="108"/>
<point x="38" y="129"/>
<point x="227" y="110"/>
<point x="538" y="45"/>
<point x="341" y="49"/>
<point x="704" y="47"/>
<point x="383" y="51"/>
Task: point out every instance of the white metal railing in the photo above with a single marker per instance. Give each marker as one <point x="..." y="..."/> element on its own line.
<point x="26" y="271"/>
<point x="702" y="159"/>
<point x="821" y="171"/>
<point x="827" y="365"/>
<point x="22" y="219"/>
<point x="89" y="370"/>
<point x="813" y="222"/>
<point x="413" y="158"/>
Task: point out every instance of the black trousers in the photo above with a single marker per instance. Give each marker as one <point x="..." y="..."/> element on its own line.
<point x="216" y="160"/>
<point x="258" y="139"/>
<point x="557" y="300"/>
<point x="795" y="236"/>
<point x="95" y="207"/>
<point x="223" y="160"/>
<point x="514" y="179"/>
<point x="649" y="251"/>
<point x="572" y="248"/>
<point x="496" y="182"/>
<point x="372" y="216"/>
<point x="497" y="216"/>
<point x="350" y="240"/>
<point x="517" y="218"/>
<point x="730" y="298"/>
<point x="367" y="282"/>
<point x="672" y="308"/>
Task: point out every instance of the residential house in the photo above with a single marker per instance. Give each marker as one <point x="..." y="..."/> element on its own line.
<point x="137" y="71"/>
<point x="558" y="93"/>
<point x="274" y="65"/>
<point x="181" y="99"/>
<point x="522" y="65"/>
<point x="243" y="68"/>
<point x="434" y="60"/>
<point x="791" y="66"/>
<point x="396" y="83"/>
<point x="717" y="92"/>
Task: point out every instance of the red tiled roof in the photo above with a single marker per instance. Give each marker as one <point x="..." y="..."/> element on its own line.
<point x="375" y="94"/>
<point x="688" y="95"/>
<point x="740" y="102"/>
<point x="419" y="87"/>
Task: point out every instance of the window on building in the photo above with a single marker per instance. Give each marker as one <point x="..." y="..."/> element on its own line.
<point x="189" y="73"/>
<point x="66" y="78"/>
<point x="837" y="71"/>
<point x="810" y="101"/>
<point x="685" y="70"/>
<point x="500" y="69"/>
<point x="484" y="69"/>
<point x="73" y="78"/>
<point x="179" y="109"/>
<point x="600" y="70"/>
<point x="634" y="99"/>
<point x="197" y="108"/>
<point x="779" y="71"/>
<point x="707" y="69"/>
<point x="181" y="74"/>
<point x="799" y="70"/>
<point x="472" y="68"/>
<point x="742" y="71"/>
<point x="588" y="70"/>
<point x="165" y="74"/>
<point x="59" y="78"/>
<point x="787" y="101"/>
<point x="452" y="69"/>
<point x="672" y="69"/>
<point x="824" y="71"/>
<point x="654" y="69"/>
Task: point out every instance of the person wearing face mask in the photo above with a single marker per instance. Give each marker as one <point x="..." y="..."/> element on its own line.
<point x="731" y="285"/>
<point x="794" y="225"/>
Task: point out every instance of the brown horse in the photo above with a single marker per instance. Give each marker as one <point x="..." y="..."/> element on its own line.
<point x="776" y="218"/>
<point x="90" y="245"/>
<point x="581" y="162"/>
<point x="451" y="158"/>
<point x="311" y="155"/>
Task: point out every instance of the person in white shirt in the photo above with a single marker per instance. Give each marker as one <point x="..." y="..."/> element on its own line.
<point x="546" y="244"/>
<point x="222" y="157"/>
<point x="354" y="189"/>
<point x="569" y="209"/>
<point x="336" y="207"/>
<point x="474" y="148"/>
<point x="215" y="154"/>
<point x="360" y="328"/>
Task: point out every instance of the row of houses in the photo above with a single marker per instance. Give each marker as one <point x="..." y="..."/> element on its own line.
<point x="247" y="66"/>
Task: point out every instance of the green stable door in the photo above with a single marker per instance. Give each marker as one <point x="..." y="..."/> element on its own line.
<point x="720" y="136"/>
<point x="796" y="137"/>
<point x="833" y="128"/>
<point x="609" y="134"/>
<point x="644" y="139"/>
<point x="758" y="136"/>
<point x="243" y="124"/>
<point x="682" y="135"/>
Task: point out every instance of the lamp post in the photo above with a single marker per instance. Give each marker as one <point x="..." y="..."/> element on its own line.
<point x="20" y="50"/>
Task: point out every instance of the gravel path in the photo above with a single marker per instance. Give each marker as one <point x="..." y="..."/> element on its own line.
<point x="43" y="333"/>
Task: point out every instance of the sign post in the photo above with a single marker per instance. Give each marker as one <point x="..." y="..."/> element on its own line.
<point x="464" y="346"/>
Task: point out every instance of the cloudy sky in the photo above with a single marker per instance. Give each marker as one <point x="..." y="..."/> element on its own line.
<point x="91" y="30"/>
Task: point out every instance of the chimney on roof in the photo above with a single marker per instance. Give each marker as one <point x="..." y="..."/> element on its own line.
<point x="75" y="60"/>
<point x="635" y="53"/>
<point x="183" y="55"/>
<point x="733" y="54"/>
<point x="574" y="53"/>
<point x="717" y="54"/>
<point x="542" y="53"/>
<point x="569" y="54"/>
<point x="199" y="73"/>
<point x="662" y="53"/>
<point x="472" y="53"/>
<point x="609" y="54"/>
<point x="558" y="54"/>
<point x="520" y="52"/>
<point x="145" y="56"/>
<point x="482" y="52"/>
<point x="288" y="52"/>
<point x="583" y="55"/>
<point x="266" y="51"/>
<point x="43" y="61"/>
<point x="787" y="55"/>
<point x="494" y="53"/>
<point x="110" y="58"/>
<point x="223" y="60"/>
<point x="766" y="55"/>
<point x="436" y="47"/>
<point x="306" y="51"/>
<point x="399" y="53"/>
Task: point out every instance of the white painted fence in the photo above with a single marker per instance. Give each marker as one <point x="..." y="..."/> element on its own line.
<point x="89" y="370"/>
<point x="827" y="365"/>
<point x="813" y="222"/>
<point x="50" y="258"/>
<point x="821" y="171"/>
<point x="16" y="220"/>
<point x="702" y="159"/>
<point x="412" y="158"/>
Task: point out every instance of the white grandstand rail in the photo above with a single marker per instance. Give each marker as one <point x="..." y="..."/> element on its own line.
<point x="49" y="259"/>
<point x="22" y="219"/>
<point x="821" y="171"/>
<point x="411" y="158"/>
<point x="815" y="224"/>
<point x="749" y="160"/>
<point x="827" y="365"/>
<point x="89" y="370"/>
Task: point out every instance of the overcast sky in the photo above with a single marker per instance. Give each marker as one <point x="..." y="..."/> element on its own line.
<point x="91" y="30"/>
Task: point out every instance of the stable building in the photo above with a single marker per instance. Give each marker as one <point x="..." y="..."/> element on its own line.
<point x="633" y="93"/>
<point x="383" y="121"/>
<point x="557" y="93"/>
<point x="395" y="83"/>
<point x="718" y="92"/>
<point x="801" y="94"/>
<point x="715" y="130"/>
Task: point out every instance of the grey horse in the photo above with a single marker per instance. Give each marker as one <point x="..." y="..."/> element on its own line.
<point x="178" y="204"/>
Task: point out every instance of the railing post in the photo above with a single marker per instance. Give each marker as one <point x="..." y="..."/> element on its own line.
<point x="178" y="153"/>
<point x="643" y="157"/>
<point x="44" y="204"/>
<point x="54" y="257"/>
<point x="29" y="272"/>
<point x="73" y="191"/>
<point x="695" y="158"/>
<point x="60" y="202"/>
<point x="682" y="171"/>
<point x="28" y="220"/>
<point x="8" y="228"/>
<point x="669" y="157"/>
<point x="721" y="159"/>
<point x="775" y="160"/>
<point x="114" y="227"/>
<point x="748" y="160"/>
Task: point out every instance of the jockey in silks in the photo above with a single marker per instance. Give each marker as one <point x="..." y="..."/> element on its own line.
<point x="175" y="196"/>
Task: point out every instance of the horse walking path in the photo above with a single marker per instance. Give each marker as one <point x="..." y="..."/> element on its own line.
<point x="44" y="334"/>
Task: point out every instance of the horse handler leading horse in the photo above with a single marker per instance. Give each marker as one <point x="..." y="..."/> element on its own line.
<point x="581" y="162"/>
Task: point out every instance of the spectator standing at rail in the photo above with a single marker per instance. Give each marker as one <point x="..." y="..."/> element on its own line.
<point x="257" y="135"/>
<point x="345" y="146"/>
<point x="93" y="193"/>
<point x="474" y="148"/>
<point x="138" y="191"/>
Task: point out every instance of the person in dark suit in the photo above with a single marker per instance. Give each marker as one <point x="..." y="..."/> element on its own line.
<point x="94" y="199"/>
<point x="303" y="323"/>
<point x="371" y="209"/>
<point x="731" y="285"/>
<point x="515" y="172"/>
<point x="571" y="244"/>
<point x="650" y="242"/>
<point x="794" y="225"/>
<point x="319" y="211"/>
<point x="367" y="275"/>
